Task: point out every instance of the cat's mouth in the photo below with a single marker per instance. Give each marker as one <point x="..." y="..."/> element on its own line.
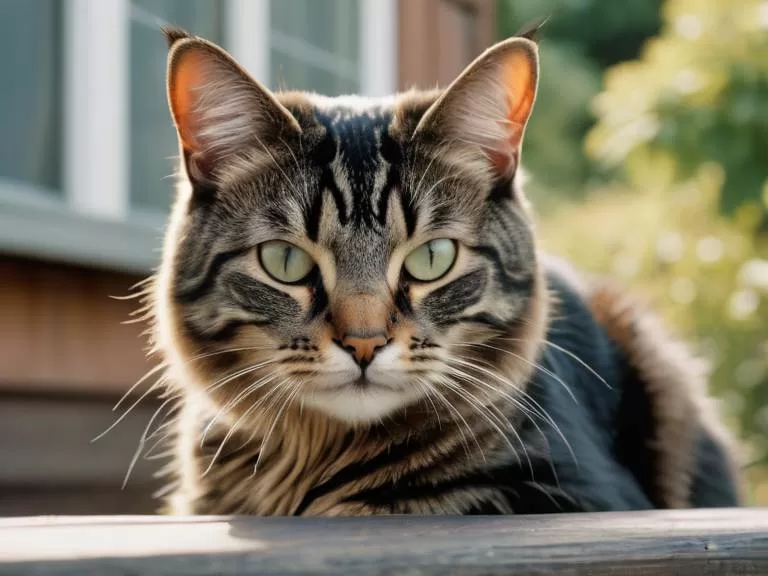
<point x="361" y="384"/>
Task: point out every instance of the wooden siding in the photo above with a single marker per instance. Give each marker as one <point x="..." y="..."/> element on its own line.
<point x="438" y="38"/>
<point x="63" y="330"/>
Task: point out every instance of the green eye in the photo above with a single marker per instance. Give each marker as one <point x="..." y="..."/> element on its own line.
<point x="285" y="262"/>
<point x="432" y="260"/>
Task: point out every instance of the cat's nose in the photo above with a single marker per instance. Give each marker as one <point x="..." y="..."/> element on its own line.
<point x="364" y="347"/>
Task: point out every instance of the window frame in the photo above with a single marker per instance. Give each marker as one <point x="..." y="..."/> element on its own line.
<point x="93" y="222"/>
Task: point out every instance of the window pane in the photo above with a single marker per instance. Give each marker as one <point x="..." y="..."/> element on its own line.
<point x="315" y="45"/>
<point x="30" y="99"/>
<point x="153" y="140"/>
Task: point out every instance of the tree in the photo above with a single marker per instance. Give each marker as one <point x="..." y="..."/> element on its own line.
<point x="686" y="126"/>
<point x="699" y="92"/>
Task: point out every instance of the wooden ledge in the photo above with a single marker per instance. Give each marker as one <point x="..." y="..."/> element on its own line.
<point x="693" y="542"/>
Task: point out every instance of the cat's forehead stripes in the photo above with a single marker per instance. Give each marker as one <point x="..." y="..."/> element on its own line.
<point x="359" y="171"/>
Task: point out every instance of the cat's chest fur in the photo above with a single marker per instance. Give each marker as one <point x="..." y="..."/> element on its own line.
<point x="313" y="467"/>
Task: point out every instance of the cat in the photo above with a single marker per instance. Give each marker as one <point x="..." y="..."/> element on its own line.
<point x="355" y="316"/>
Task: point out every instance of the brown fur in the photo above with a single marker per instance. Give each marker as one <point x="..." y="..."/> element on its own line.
<point x="675" y="382"/>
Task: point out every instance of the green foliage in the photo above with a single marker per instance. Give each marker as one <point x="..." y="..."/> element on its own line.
<point x="699" y="92"/>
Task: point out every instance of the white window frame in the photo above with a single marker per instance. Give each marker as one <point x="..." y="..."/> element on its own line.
<point x="93" y="223"/>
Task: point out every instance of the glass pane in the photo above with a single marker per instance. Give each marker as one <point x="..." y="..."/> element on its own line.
<point x="315" y="45"/>
<point x="154" y="146"/>
<point x="30" y="99"/>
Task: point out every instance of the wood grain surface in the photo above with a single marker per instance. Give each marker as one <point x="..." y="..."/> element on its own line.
<point x="694" y="542"/>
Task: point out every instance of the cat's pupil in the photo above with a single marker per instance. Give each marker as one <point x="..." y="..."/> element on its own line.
<point x="286" y="257"/>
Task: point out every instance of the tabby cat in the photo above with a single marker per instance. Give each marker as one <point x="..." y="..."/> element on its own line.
<point x="355" y="317"/>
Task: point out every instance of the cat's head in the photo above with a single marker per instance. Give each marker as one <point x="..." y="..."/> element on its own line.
<point x="349" y="256"/>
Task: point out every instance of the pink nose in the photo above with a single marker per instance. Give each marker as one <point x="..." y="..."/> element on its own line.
<point x="363" y="348"/>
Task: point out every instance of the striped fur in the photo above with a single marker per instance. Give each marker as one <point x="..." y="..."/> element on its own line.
<point x="478" y="398"/>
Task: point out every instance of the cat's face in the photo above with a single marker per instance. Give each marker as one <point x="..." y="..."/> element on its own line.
<point x="344" y="255"/>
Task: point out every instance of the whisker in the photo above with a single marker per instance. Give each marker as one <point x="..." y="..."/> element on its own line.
<point x="250" y="389"/>
<point x="292" y="392"/>
<point x="143" y="440"/>
<point x="521" y="402"/>
<point x="144" y="378"/>
<point x="130" y="409"/>
<point x="233" y="428"/>
<point x="237" y="374"/>
<point x="571" y="355"/>
<point x="229" y="351"/>
<point x="496" y="422"/>
<point x="441" y="397"/>
<point x="428" y="391"/>
<point x="534" y="365"/>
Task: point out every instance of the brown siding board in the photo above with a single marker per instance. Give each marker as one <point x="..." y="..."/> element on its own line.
<point x="438" y="38"/>
<point x="64" y="330"/>
<point x="51" y="466"/>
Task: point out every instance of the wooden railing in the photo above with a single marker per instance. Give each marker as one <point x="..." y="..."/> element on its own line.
<point x="694" y="542"/>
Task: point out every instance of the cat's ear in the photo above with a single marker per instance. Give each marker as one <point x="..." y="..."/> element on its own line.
<point x="221" y="113"/>
<point x="483" y="114"/>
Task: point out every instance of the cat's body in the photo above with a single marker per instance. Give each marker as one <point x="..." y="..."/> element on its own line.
<point x="356" y="318"/>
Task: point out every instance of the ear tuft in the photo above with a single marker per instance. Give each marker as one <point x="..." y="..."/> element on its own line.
<point x="532" y="30"/>
<point x="173" y="34"/>
<point x="484" y="112"/>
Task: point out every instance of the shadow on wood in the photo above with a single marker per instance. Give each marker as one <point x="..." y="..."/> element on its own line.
<point x="658" y="543"/>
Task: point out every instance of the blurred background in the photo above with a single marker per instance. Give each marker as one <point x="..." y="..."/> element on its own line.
<point x="647" y="156"/>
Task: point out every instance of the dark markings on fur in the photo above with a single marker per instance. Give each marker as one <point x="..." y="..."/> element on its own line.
<point x="509" y="284"/>
<point x="324" y="152"/>
<point x="392" y="493"/>
<point x="312" y="216"/>
<point x="321" y="156"/>
<point x="511" y="235"/>
<point x="274" y="306"/>
<point x="394" y="454"/>
<point x="402" y="301"/>
<point x="383" y="203"/>
<point x="502" y="190"/>
<point x="319" y="297"/>
<point x="362" y="142"/>
<point x="390" y="149"/>
<point x="202" y="198"/>
<point x="445" y="303"/>
<point x="226" y="332"/>
<point x="277" y="217"/>
<point x="635" y="423"/>
<point x="410" y="213"/>
<point x="192" y="293"/>
<point x="483" y="318"/>
<point x="327" y="182"/>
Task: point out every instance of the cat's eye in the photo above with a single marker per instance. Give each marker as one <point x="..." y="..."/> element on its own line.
<point x="432" y="260"/>
<point x="285" y="262"/>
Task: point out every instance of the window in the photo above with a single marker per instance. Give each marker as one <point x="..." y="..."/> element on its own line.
<point x="30" y="105"/>
<point x="153" y="139"/>
<point x="314" y="45"/>
<point x="87" y="146"/>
